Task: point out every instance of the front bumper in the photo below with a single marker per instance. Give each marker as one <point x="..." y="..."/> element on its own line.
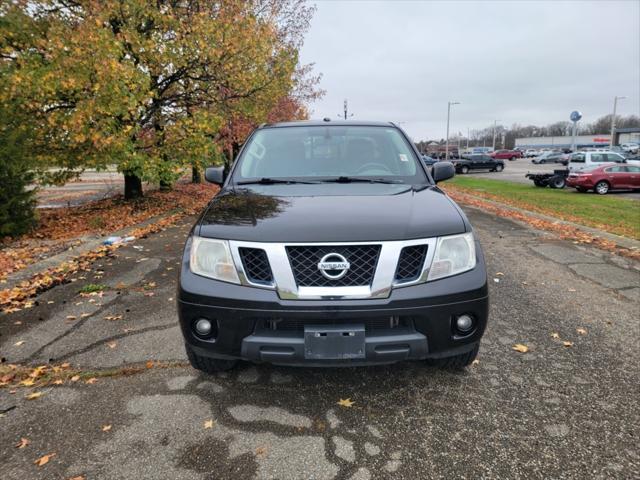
<point x="422" y="316"/>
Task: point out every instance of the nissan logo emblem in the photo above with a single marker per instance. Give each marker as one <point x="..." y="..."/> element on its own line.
<point x="333" y="266"/>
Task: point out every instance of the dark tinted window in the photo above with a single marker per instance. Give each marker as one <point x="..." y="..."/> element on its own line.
<point x="598" y="157"/>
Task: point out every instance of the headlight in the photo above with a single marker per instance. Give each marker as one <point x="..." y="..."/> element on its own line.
<point x="212" y="258"/>
<point x="454" y="254"/>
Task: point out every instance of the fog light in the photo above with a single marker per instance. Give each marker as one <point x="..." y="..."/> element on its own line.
<point x="203" y="327"/>
<point x="464" y="323"/>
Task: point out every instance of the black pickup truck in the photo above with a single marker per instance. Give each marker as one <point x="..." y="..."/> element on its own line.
<point x="478" y="162"/>
<point x="328" y="244"/>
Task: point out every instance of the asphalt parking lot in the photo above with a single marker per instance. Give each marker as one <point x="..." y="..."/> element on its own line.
<point x="554" y="412"/>
<point x="514" y="171"/>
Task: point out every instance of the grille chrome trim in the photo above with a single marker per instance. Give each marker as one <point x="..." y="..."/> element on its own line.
<point x="285" y="284"/>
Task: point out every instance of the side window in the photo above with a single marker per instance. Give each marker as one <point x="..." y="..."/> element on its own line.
<point x="614" y="157"/>
<point x="615" y="169"/>
<point x="577" y="158"/>
<point x="633" y="169"/>
<point x="598" y="157"/>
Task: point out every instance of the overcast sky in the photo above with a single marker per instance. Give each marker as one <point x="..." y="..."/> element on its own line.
<point x="518" y="62"/>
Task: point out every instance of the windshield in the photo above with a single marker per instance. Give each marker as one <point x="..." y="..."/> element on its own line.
<point x="329" y="152"/>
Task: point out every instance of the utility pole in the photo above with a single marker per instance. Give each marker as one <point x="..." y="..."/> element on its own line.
<point x="467" y="138"/>
<point x="495" y="124"/>
<point x="613" y="120"/>
<point x="446" y="147"/>
<point x="346" y="113"/>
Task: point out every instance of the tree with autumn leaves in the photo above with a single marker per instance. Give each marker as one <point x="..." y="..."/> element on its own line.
<point x="149" y="86"/>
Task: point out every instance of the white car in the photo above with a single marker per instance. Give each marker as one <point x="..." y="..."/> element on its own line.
<point x="530" y="153"/>
<point x="587" y="160"/>
<point x="630" y="147"/>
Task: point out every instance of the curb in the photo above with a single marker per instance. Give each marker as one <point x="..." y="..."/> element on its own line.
<point x="84" y="244"/>
<point x="617" y="239"/>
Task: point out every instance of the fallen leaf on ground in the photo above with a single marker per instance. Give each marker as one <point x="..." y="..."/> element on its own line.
<point x="75" y="378"/>
<point x="499" y="274"/>
<point x="44" y="459"/>
<point x="23" y="443"/>
<point x="518" y="347"/>
<point x="581" y="331"/>
<point x="17" y="344"/>
<point x="65" y="365"/>
<point x="567" y="343"/>
<point x="261" y="452"/>
<point x="58" y="382"/>
<point x="106" y="428"/>
<point x="555" y="335"/>
<point x="345" y="402"/>
<point x="77" y="477"/>
<point x="34" y="395"/>
<point x="112" y="344"/>
<point x="475" y="362"/>
<point x="149" y="364"/>
<point x="71" y="317"/>
<point x="27" y="382"/>
<point x="91" y="381"/>
<point x="113" y="317"/>
<point x="208" y="424"/>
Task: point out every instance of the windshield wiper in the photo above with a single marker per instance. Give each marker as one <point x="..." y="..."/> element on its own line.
<point x="343" y="179"/>
<point x="271" y="181"/>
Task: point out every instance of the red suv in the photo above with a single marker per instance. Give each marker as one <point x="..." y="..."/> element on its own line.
<point x="506" y="154"/>
<point x="603" y="178"/>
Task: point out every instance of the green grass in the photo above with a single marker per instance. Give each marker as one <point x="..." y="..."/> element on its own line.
<point x="606" y="212"/>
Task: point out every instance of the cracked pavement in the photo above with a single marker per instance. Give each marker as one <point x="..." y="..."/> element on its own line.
<point x="553" y="412"/>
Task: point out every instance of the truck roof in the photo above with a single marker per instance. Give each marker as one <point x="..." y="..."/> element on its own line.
<point x="324" y="123"/>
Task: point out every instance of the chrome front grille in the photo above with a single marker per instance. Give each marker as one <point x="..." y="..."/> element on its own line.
<point x="292" y="269"/>
<point x="304" y="261"/>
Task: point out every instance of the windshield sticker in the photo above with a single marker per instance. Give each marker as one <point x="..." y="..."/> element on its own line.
<point x="403" y="157"/>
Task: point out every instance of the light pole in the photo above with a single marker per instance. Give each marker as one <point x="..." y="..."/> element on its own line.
<point x="446" y="147"/>
<point x="467" y="138"/>
<point x="613" y="120"/>
<point x="495" y="124"/>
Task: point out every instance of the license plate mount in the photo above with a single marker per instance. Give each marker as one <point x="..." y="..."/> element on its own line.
<point x="334" y="342"/>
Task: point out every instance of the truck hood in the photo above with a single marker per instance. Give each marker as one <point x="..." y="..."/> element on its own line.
<point x="330" y="213"/>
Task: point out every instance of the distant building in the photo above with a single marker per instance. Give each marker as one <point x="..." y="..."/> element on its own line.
<point x="582" y="141"/>
<point x="623" y="135"/>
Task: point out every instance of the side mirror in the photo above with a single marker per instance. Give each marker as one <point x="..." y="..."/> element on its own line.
<point x="443" y="171"/>
<point x="214" y="175"/>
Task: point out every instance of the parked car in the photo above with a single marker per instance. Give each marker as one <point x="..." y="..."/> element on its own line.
<point x="428" y="160"/>
<point x="549" y="157"/>
<point x="506" y="154"/>
<point x="604" y="178"/>
<point x="530" y="153"/>
<point x="630" y="147"/>
<point x="586" y="160"/>
<point x="328" y="244"/>
<point x="478" y="162"/>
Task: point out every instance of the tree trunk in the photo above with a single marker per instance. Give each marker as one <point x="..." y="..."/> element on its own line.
<point x="196" y="174"/>
<point x="132" y="186"/>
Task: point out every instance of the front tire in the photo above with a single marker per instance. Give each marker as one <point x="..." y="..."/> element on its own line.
<point x="208" y="365"/>
<point x="499" y="168"/>
<point x="602" y="188"/>
<point x="513" y="158"/>
<point x="457" y="362"/>
<point x="464" y="169"/>
<point x="557" y="182"/>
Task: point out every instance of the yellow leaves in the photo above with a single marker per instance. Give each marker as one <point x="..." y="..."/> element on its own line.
<point x="34" y="395"/>
<point x="75" y="378"/>
<point x="555" y="335"/>
<point x="208" y="423"/>
<point x="106" y="428"/>
<point x="149" y="364"/>
<point x="17" y="344"/>
<point x="567" y="343"/>
<point x="581" y="331"/>
<point x="91" y="381"/>
<point x="23" y="443"/>
<point x="519" y="347"/>
<point x="347" y="402"/>
<point x="27" y="382"/>
<point x="42" y="461"/>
